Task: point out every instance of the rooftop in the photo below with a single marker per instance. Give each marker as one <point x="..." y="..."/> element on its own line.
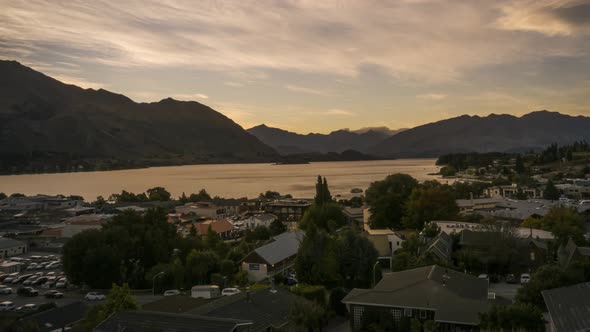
<point x="6" y="243"/>
<point x="59" y="317"/>
<point x="284" y="246"/>
<point x="569" y="307"/>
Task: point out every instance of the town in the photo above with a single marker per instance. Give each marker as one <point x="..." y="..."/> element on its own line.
<point x="506" y="253"/>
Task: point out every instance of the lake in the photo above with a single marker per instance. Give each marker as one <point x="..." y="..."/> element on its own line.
<point x="227" y="180"/>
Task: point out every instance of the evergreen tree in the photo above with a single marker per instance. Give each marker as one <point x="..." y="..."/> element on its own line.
<point x="326" y="192"/>
<point x="319" y="191"/>
<point x="551" y="192"/>
<point x="519" y="167"/>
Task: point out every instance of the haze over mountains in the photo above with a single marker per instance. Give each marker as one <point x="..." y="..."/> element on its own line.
<point x="46" y="125"/>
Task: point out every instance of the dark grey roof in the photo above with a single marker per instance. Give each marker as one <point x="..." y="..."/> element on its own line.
<point x="454" y="296"/>
<point x="146" y="321"/>
<point x="264" y="308"/>
<point x="265" y="217"/>
<point x="569" y="307"/>
<point x="284" y="246"/>
<point x="59" y="317"/>
<point x="6" y="243"/>
<point x="441" y="246"/>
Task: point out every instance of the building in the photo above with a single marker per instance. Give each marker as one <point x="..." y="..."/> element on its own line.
<point x="59" y="318"/>
<point x="222" y="227"/>
<point x="10" y="247"/>
<point x="456" y="227"/>
<point x="267" y="309"/>
<point x="289" y="210"/>
<point x="38" y="202"/>
<point x="203" y="209"/>
<point x="569" y="308"/>
<point x="570" y="253"/>
<point x="354" y="215"/>
<point x="142" y="321"/>
<point x="441" y="247"/>
<point x="262" y="219"/>
<point x="452" y="299"/>
<point x="386" y="241"/>
<point x="11" y="267"/>
<point x="469" y="206"/>
<point x="273" y="258"/>
<point x="512" y="191"/>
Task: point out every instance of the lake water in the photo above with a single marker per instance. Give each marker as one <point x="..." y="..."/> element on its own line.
<point x="229" y="180"/>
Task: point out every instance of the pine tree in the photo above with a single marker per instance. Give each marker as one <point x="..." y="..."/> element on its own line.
<point x="319" y="191"/>
<point x="326" y="192"/>
<point x="551" y="192"/>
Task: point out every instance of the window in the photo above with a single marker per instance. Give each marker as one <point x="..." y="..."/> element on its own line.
<point x="358" y="316"/>
<point x="407" y="312"/>
<point x="397" y="314"/>
<point x="254" y="267"/>
<point x="423" y="314"/>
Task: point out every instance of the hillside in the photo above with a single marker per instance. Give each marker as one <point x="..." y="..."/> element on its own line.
<point x="286" y="142"/>
<point x="46" y="125"/>
<point x="493" y="133"/>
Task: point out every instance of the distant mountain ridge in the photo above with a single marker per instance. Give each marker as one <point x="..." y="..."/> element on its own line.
<point x="286" y="142"/>
<point x="493" y="133"/>
<point x="46" y="125"/>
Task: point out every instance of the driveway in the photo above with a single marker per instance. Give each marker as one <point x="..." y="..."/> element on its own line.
<point x="505" y="290"/>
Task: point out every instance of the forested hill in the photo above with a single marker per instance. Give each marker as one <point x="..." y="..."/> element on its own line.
<point x="46" y="125"/>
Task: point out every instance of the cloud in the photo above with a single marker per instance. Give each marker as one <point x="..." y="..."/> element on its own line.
<point x="427" y="41"/>
<point x="190" y="97"/>
<point x="432" y="96"/>
<point x="340" y="112"/>
<point x="302" y="89"/>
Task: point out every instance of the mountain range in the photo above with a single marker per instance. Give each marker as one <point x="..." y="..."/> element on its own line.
<point x="47" y="126"/>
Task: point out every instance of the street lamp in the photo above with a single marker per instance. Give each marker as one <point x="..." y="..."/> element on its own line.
<point x="154" y="282"/>
<point x="374" y="272"/>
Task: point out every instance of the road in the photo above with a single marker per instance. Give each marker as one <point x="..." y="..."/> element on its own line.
<point x="505" y="290"/>
<point x="69" y="297"/>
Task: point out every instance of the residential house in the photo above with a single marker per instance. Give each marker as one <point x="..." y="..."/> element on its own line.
<point x="441" y="247"/>
<point x="452" y="299"/>
<point x="569" y="308"/>
<point x="354" y="215"/>
<point x="60" y="318"/>
<point x="273" y="258"/>
<point x="203" y="209"/>
<point x="222" y="227"/>
<point x="512" y="191"/>
<point x="142" y="321"/>
<point x="38" y="202"/>
<point x="456" y="227"/>
<point x="569" y="253"/>
<point x="262" y="219"/>
<point x="386" y="241"/>
<point x="288" y="210"/>
<point x="11" y="247"/>
<point x="268" y="309"/>
<point x="475" y="205"/>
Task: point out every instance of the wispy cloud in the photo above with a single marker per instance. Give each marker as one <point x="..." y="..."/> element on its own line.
<point x="340" y="112"/>
<point x="302" y="89"/>
<point x="432" y="96"/>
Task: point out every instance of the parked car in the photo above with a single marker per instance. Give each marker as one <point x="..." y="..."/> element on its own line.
<point x="291" y="279"/>
<point x="229" y="291"/>
<point x="525" y="278"/>
<point x="29" y="280"/>
<point x="511" y="279"/>
<point x="172" y="292"/>
<point x="5" y="290"/>
<point x="27" y="291"/>
<point x="21" y="278"/>
<point x="28" y="308"/>
<point x="10" y="278"/>
<point x="484" y="276"/>
<point x="49" y="283"/>
<point x="32" y="266"/>
<point x="61" y="283"/>
<point x="53" y="294"/>
<point x="7" y="306"/>
<point x="94" y="296"/>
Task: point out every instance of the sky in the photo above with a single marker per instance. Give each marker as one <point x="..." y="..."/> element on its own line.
<point x="316" y="66"/>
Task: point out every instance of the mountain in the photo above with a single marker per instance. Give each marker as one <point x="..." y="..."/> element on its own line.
<point x="46" y="125"/>
<point x="384" y="130"/>
<point x="493" y="133"/>
<point x="286" y="142"/>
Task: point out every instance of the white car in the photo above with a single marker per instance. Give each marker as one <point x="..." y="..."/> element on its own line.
<point x="32" y="266"/>
<point x="172" y="292"/>
<point x="229" y="291"/>
<point x="5" y="290"/>
<point x="94" y="296"/>
<point x="28" y="308"/>
<point x="483" y="276"/>
<point x="525" y="278"/>
<point x="6" y="306"/>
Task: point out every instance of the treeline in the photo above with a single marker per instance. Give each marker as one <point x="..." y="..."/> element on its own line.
<point x="554" y="152"/>
<point x="347" y="155"/>
<point x="462" y="161"/>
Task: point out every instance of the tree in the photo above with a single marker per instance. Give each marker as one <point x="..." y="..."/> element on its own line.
<point x="277" y="227"/>
<point x="387" y="198"/>
<point x="519" y="166"/>
<point x="120" y="299"/>
<point x="431" y="230"/>
<point x="183" y="199"/>
<point x="99" y="203"/>
<point x="193" y="231"/>
<point x="316" y="262"/>
<point x="551" y="192"/>
<point x="515" y="317"/>
<point x="322" y="195"/>
<point x="546" y="277"/>
<point x="158" y="194"/>
<point x="448" y="171"/>
<point x="16" y="195"/>
<point x="327" y="216"/>
<point x="201" y="196"/>
<point x="429" y="202"/>
<point x="307" y="315"/>
<point x="2" y="195"/>
<point x="356" y="257"/>
<point x="200" y="265"/>
<point x="563" y="222"/>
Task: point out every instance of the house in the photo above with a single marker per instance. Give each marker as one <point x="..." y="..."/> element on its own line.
<point x="441" y="247"/>
<point x="386" y="241"/>
<point x="469" y="206"/>
<point x="512" y="191"/>
<point x="569" y="308"/>
<point x="267" y="309"/>
<point x="11" y="247"/>
<point x="570" y="253"/>
<point x="11" y="267"/>
<point x="142" y="321"/>
<point x="262" y="219"/>
<point x="456" y="227"/>
<point x="203" y="209"/>
<point x="354" y="215"/>
<point x="274" y="257"/>
<point x="452" y="299"/>
<point x="289" y="210"/>
<point x="59" y="318"/>
<point x="38" y="202"/>
<point x="222" y="227"/>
